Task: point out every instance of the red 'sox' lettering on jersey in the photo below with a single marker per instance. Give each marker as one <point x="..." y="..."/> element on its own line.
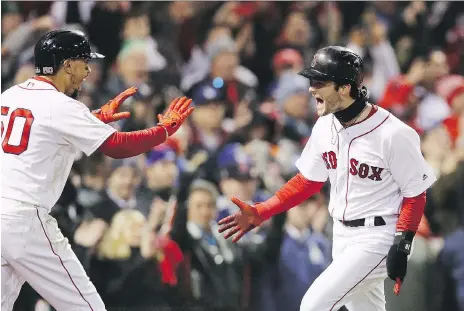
<point x="363" y="170"/>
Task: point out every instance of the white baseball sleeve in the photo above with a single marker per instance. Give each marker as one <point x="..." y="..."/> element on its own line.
<point x="311" y="164"/>
<point x="74" y="122"/>
<point x="407" y="165"/>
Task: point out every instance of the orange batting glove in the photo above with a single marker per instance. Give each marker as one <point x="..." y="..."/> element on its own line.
<point x="108" y="112"/>
<point x="179" y="109"/>
<point x="240" y="222"/>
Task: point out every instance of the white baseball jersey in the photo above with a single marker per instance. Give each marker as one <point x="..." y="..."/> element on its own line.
<point x="42" y="131"/>
<point x="371" y="165"/>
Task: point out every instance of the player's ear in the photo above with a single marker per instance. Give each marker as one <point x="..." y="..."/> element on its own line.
<point x="344" y="90"/>
<point x="67" y="66"/>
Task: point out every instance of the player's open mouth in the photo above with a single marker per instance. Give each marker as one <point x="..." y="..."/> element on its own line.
<point x="319" y="100"/>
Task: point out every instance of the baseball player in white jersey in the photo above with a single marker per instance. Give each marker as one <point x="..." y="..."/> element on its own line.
<point x="378" y="178"/>
<point x="42" y="129"/>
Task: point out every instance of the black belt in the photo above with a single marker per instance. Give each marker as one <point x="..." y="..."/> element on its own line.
<point x="378" y="221"/>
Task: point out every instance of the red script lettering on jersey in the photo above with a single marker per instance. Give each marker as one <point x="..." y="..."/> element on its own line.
<point x="363" y="170"/>
<point x="25" y="134"/>
<point x="330" y="159"/>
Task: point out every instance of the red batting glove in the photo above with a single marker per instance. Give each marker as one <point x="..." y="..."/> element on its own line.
<point x="240" y="222"/>
<point x="108" y="112"/>
<point x="176" y="114"/>
<point x="397" y="287"/>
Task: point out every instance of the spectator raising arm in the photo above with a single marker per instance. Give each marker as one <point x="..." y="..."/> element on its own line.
<point x="384" y="61"/>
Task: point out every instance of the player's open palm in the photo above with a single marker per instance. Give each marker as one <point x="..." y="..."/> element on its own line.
<point x="239" y="223"/>
<point x="177" y="112"/>
<point x="109" y="112"/>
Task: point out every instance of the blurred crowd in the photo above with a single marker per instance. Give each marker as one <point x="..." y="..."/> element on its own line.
<point x="145" y="228"/>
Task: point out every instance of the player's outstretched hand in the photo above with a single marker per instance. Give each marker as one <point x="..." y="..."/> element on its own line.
<point x="177" y="112"/>
<point x="109" y="112"/>
<point x="240" y="222"/>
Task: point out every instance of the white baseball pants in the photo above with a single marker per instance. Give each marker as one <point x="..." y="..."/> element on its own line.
<point x="355" y="278"/>
<point x="34" y="250"/>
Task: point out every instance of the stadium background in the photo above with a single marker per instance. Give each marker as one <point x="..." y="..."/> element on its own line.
<point x="144" y="228"/>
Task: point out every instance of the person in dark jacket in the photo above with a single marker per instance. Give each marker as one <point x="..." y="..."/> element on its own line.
<point x="213" y="274"/>
<point x="451" y="264"/>
<point x="118" y="195"/>
<point x="304" y="254"/>
<point x="161" y="178"/>
<point x="124" y="268"/>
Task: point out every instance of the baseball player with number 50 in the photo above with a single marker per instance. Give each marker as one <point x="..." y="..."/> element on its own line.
<point x="378" y="180"/>
<point x="42" y="130"/>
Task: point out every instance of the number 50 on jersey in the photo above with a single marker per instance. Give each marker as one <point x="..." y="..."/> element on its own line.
<point x="18" y="130"/>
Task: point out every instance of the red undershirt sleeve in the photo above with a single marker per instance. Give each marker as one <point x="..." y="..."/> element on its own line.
<point x="128" y="144"/>
<point x="411" y="213"/>
<point x="294" y="192"/>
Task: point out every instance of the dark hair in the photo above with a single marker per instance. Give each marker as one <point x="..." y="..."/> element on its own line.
<point x="355" y="91"/>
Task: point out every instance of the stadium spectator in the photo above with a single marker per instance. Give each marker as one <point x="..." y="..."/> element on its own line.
<point x="305" y="253"/>
<point x="213" y="269"/>
<point x="160" y="178"/>
<point x="120" y="194"/>
<point x="123" y="269"/>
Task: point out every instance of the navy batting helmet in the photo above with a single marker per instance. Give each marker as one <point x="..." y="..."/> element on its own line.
<point x="59" y="45"/>
<point x="337" y="64"/>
